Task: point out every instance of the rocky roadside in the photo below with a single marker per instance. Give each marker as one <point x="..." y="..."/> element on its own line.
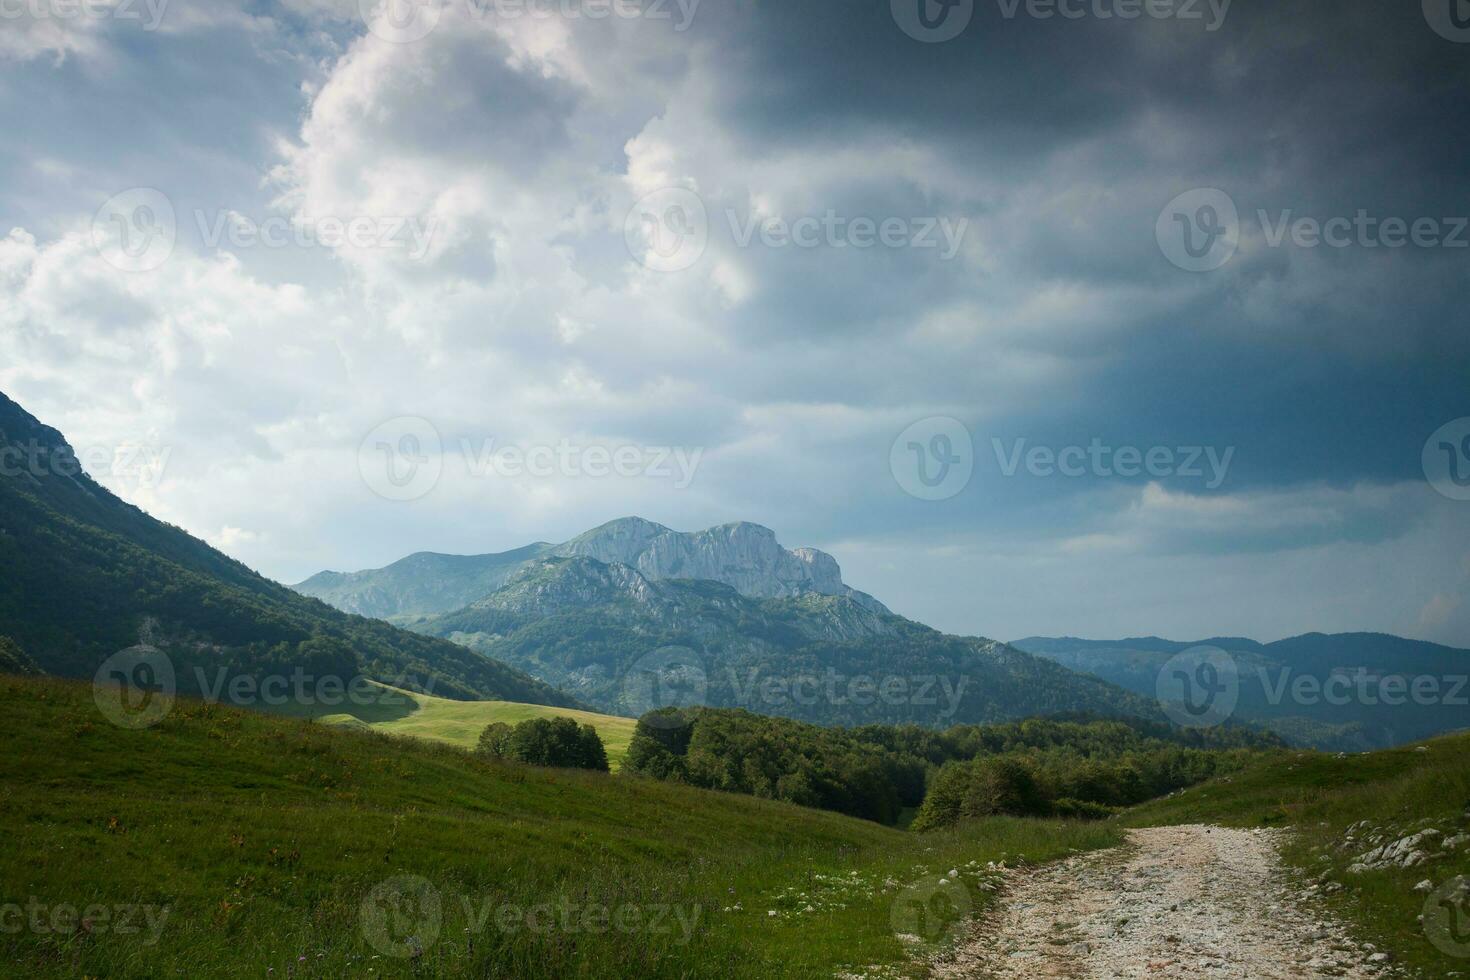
<point x="1175" y="902"/>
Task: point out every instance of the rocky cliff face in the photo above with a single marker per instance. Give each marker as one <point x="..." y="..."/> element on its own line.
<point x="746" y="557"/>
<point x="555" y="585"/>
<point x="617" y="592"/>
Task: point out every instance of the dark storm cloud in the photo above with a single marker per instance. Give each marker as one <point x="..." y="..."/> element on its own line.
<point x="1320" y="364"/>
<point x="1059" y="321"/>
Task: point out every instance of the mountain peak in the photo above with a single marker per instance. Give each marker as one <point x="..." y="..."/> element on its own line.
<point x="740" y="554"/>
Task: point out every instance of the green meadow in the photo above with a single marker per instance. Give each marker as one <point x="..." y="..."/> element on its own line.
<point x="400" y="712"/>
<point x="223" y="841"/>
<point x="244" y="844"/>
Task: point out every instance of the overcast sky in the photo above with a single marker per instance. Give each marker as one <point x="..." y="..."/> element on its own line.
<point x="920" y="291"/>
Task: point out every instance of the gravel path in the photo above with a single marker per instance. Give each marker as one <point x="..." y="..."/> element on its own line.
<point x="1174" y="902"/>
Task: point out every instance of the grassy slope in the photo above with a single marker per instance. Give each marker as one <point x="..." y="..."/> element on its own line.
<point x="461" y="722"/>
<point x="264" y="836"/>
<point x="1321" y="796"/>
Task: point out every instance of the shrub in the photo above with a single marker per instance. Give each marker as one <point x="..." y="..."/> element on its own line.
<point x="986" y="787"/>
<point x="659" y="744"/>
<point x="557" y="742"/>
<point x="494" y="738"/>
<point x="1002" y="786"/>
<point x="1081" y="809"/>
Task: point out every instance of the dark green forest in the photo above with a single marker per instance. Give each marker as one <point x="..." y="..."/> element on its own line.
<point x="557" y="742"/>
<point x="1082" y="767"/>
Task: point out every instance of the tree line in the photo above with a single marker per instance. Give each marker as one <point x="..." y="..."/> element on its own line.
<point x="1085" y="767"/>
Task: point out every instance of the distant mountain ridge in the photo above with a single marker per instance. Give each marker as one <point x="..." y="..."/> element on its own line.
<point x="421" y="584"/>
<point x="590" y="628"/>
<point x="1358" y="713"/>
<point x="742" y="555"/>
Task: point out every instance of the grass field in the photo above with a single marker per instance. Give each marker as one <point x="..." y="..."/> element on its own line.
<point x="460" y="723"/>
<point x="244" y="844"/>
<point x="1321" y="796"/>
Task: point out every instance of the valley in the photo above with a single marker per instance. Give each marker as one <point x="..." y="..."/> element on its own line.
<point x="734" y="490"/>
<point x="261" y="843"/>
<point x="277" y="845"/>
<point x="803" y="784"/>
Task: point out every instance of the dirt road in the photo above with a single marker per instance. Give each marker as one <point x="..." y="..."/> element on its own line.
<point x="1174" y="902"/>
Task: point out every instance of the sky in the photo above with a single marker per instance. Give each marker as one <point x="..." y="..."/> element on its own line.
<point x="1086" y="317"/>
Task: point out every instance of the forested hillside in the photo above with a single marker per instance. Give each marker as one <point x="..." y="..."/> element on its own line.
<point x="604" y="633"/>
<point x="84" y="575"/>
<point x="1341" y="692"/>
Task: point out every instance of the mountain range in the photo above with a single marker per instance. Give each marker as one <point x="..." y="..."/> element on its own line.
<point x="625" y="617"/>
<point x="725" y="617"/>
<point x="604" y="632"/>
<point x="735" y="610"/>
<point x="83" y="575"/>
<point x="742" y="555"/>
<point x="1345" y="691"/>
